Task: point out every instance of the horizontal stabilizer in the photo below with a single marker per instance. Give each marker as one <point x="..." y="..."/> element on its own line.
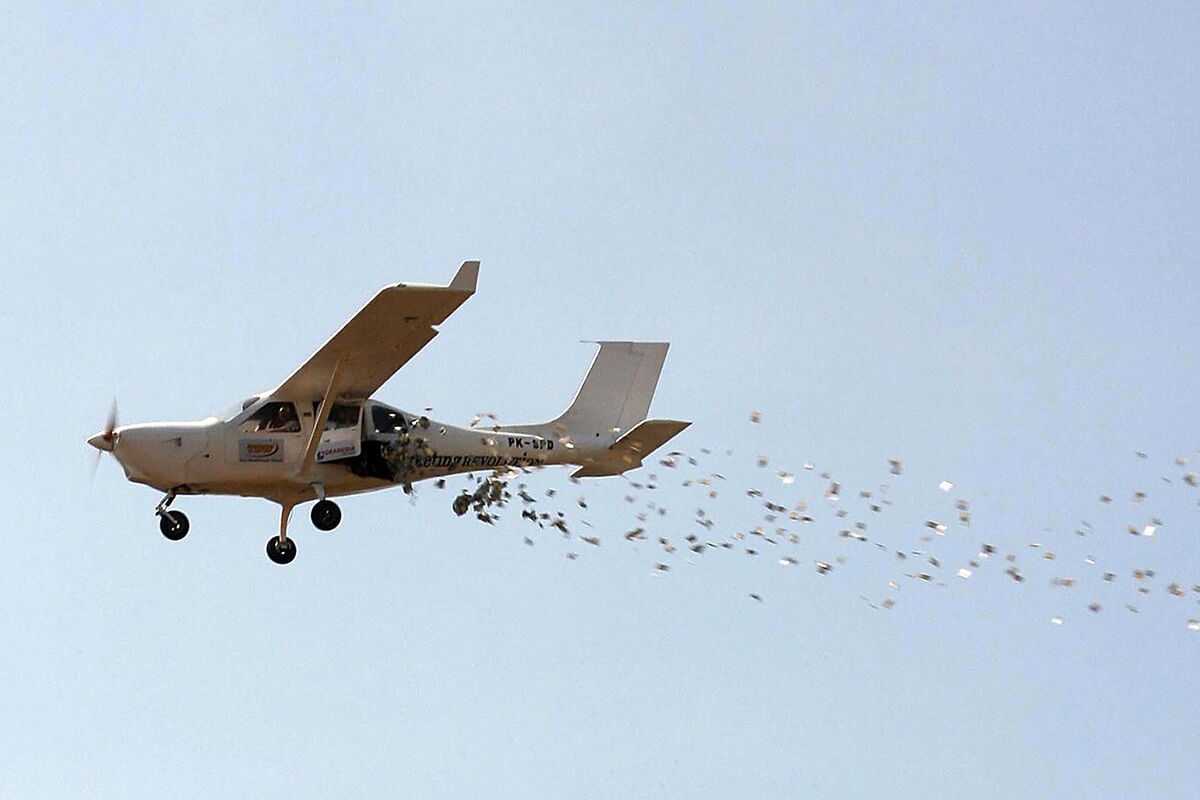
<point x="629" y="450"/>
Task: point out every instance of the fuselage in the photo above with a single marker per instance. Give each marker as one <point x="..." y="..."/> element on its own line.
<point x="260" y="450"/>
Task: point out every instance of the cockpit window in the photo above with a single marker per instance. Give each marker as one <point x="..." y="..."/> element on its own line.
<point x="342" y="416"/>
<point x="385" y="420"/>
<point x="272" y="418"/>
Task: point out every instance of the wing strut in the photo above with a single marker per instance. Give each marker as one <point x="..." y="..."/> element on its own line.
<point x="314" y="438"/>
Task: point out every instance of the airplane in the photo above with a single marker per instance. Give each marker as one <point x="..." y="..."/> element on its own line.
<point x="320" y="434"/>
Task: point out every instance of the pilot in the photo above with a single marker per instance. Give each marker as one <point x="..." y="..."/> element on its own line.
<point x="283" y="420"/>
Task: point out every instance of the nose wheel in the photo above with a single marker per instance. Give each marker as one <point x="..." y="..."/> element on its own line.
<point x="326" y="515"/>
<point x="173" y="524"/>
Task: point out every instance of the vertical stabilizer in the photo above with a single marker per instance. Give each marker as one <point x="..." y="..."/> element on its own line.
<point x="614" y="397"/>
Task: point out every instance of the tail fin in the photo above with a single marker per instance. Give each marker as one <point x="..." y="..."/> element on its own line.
<point x="614" y="397"/>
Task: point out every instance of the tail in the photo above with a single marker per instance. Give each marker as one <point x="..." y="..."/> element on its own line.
<point x="606" y="422"/>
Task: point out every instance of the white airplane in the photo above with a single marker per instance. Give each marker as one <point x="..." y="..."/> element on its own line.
<point x="319" y="434"/>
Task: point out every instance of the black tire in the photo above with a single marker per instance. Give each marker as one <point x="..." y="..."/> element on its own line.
<point x="281" y="552"/>
<point x="173" y="524"/>
<point x="326" y="515"/>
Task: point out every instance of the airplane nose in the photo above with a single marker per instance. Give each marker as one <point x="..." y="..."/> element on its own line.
<point x="102" y="441"/>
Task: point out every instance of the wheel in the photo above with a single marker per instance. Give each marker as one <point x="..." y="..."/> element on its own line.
<point x="326" y="515"/>
<point x="173" y="524"/>
<point x="281" y="552"/>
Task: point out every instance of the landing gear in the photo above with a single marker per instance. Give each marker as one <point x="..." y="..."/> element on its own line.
<point x="280" y="550"/>
<point x="173" y="524"/>
<point x="326" y="515"/>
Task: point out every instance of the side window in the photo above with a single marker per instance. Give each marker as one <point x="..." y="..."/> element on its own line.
<point x="385" y="420"/>
<point x="342" y="416"/>
<point x="272" y="418"/>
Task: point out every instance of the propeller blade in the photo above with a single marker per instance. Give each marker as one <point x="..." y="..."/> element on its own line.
<point x="107" y="438"/>
<point x="95" y="464"/>
<point x="111" y="423"/>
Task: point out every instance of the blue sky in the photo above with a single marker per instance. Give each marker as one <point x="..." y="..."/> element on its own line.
<point x="961" y="236"/>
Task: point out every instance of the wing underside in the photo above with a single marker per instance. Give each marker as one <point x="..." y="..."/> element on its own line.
<point x="380" y="339"/>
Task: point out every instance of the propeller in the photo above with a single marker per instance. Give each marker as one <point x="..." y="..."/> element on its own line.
<point x="104" y="441"/>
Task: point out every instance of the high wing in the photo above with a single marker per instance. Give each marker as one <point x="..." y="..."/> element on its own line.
<point x="379" y="339"/>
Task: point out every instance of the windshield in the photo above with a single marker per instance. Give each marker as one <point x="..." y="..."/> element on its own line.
<point x="237" y="408"/>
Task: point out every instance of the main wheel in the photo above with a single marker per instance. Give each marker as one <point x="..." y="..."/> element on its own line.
<point x="173" y="524"/>
<point x="326" y="515"/>
<point x="281" y="552"/>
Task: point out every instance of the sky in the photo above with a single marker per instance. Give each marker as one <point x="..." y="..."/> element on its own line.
<point x="964" y="236"/>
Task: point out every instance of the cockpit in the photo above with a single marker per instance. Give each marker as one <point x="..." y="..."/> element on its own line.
<point x="274" y="417"/>
<point x="277" y="416"/>
<point x="356" y="433"/>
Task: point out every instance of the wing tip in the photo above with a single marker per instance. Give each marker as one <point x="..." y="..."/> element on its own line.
<point x="467" y="277"/>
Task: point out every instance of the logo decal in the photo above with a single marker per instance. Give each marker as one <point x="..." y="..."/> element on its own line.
<point x="260" y="450"/>
<point x="337" y="451"/>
